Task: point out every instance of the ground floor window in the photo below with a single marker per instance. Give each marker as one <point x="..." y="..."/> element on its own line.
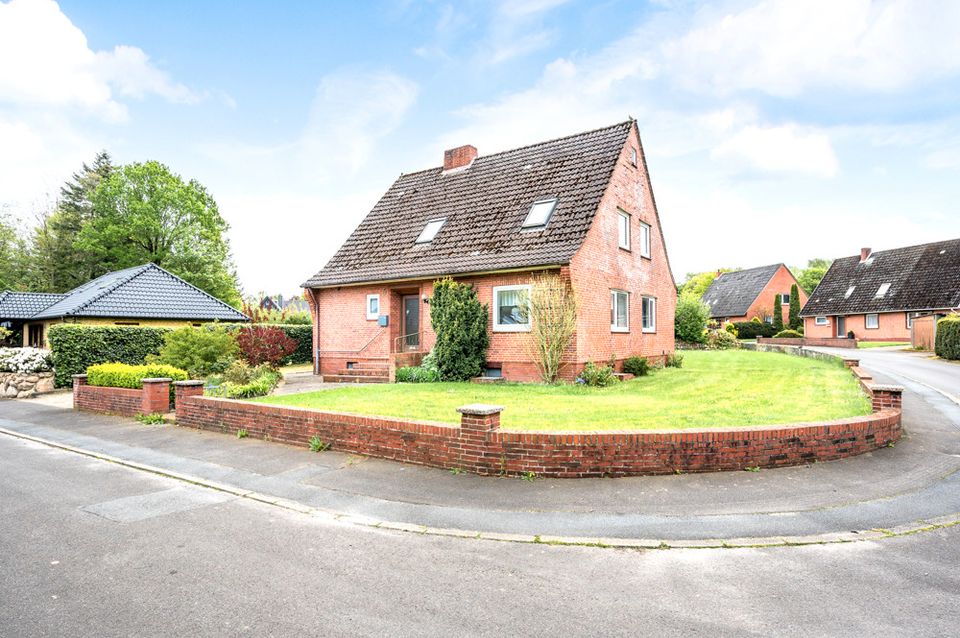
<point x="511" y="312"/>
<point x="649" y="314"/>
<point x="35" y="335"/>
<point x="822" y="321"/>
<point x="872" y="321"/>
<point x="619" y="311"/>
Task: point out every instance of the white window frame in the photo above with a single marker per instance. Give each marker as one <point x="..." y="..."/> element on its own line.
<point x="882" y="290"/>
<point x="634" y="158"/>
<point x="866" y="321"/>
<point x="623" y="229"/>
<point x="508" y="327"/>
<point x="373" y="316"/>
<point x="644" y="240"/>
<point x="530" y="225"/>
<point x="785" y="298"/>
<point x="614" y="295"/>
<point x="822" y="321"/>
<point x="653" y="316"/>
<point x="438" y="223"/>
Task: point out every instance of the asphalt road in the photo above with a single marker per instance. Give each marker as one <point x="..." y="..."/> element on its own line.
<point x="91" y="548"/>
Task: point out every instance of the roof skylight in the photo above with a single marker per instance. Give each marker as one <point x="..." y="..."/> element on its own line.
<point x="540" y="213"/>
<point x="430" y="230"/>
<point x="849" y="292"/>
<point x="882" y="290"/>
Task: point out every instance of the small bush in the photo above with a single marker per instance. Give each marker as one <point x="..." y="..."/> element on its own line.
<point x="25" y="360"/>
<point x="674" y="360"/>
<point x="788" y="334"/>
<point x="76" y="347"/>
<point x="596" y="375"/>
<point x="200" y="351"/>
<point x="637" y="366"/>
<point x="753" y="329"/>
<point x="947" y="344"/>
<point x="417" y="374"/>
<point x="732" y="329"/>
<point x="263" y="379"/>
<point x="239" y="373"/>
<point x="690" y="320"/>
<point x="268" y="345"/>
<point x="721" y="340"/>
<point x="123" y="375"/>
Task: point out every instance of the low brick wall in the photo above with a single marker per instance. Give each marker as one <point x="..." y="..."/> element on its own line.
<point x="478" y="445"/>
<point x="152" y="398"/>
<point x="20" y="385"/>
<point x="819" y="343"/>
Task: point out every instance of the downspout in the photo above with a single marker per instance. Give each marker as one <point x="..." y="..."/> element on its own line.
<point x="316" y="330"/>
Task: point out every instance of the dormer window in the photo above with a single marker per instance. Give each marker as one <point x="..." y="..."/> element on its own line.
<point x="430" y="230"/>
<point x="540" y="213"/>
<point x="882" y="290"/>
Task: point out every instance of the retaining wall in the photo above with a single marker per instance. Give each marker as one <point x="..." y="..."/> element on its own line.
<point x="152" y="398"/>
<point x="823" y="342"/>
<point x="20" y="385"/>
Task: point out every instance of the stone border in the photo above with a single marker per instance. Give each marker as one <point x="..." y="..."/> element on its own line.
<point x="22" y="385"/>
<point x="478" y="445"/>
<point x="152" y="398"/>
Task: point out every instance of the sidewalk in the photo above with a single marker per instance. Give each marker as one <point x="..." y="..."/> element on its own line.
<point x="915" y="481"/>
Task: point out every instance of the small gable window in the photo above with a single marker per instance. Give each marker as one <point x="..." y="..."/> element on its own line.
<point x="882" y="290"/>
<point x="540" y="213"/>
<point x="644" y="240"/>
<point x="872" y="322"/>
<point x="430" y="230"/>
<point x="633" y="156"/>
<point x="623" y="230"/>
<point x="373" y="307"/>
<point x="785" y="299"/>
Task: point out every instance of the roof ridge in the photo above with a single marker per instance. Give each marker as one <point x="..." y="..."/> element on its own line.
<point x="137" y="271"/>
<point x="888" y="250"/>
<point x="200" y="290"/>
<point x="528" y="146"/>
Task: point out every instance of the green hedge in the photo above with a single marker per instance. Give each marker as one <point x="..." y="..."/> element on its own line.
<point x="303" y="335"/>
<point x="77" y="347"/>
<point x="123" y="375"/>
<point x="948" y="338"/>
<point x="788" y="334"/>
<point x="752" y="329"/>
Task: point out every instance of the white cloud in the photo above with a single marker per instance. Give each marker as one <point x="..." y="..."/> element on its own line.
<point x="780" y="149"/>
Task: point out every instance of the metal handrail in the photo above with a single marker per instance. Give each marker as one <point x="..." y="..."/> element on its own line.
<point x="397" y="342"/>
<point x="365" y="346"/>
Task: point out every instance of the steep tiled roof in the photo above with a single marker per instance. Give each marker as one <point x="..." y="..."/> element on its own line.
<point x="924" y="277"/>
<point x="732" y="293"/>
<point x="142" y="292"/>
<point x="23" y="305"/>
<point x="484" y="206"/>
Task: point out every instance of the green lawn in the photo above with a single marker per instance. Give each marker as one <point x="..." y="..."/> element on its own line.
<point x="881" y="344"/>
<point x="713" y="389"/>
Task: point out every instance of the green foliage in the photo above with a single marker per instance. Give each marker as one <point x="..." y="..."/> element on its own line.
<point x="528" y="476"/>
<point x="416" y="374"/>
<point x="721" y="340"/>
<point x="303" y="335"/>
<point x="674" y="360"/>
<point x="460" y="323"/>
<point x="691" y="319"/>
<point x="201" y="351"/>
<point x="124" y="375"/>
<point x="732" y="329"/>
<point x="75" y="347"/>
<point x="777" y="313"/>
<point x="239" y="372"/>
<point x="143" y="212"/>
<point x="753" y="329"/>
<point x="697" y="283"/>
<point x="242" y="433"/>
<point x="318" y="445"/>
<point x="244" y="383"/>
<point x="637" y="366"/>
<point x="13" y="255"/>
<point x="594" y="375"/>
<point x="150" y="419"/>
<point x="795" y="321"/>
<point x="809" y="278"/>
<point x="947" y="344"/>
<point x="788" y="334"/>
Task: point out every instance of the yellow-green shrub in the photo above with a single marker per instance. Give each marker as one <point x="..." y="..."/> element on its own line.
<point x="123" y="375"/>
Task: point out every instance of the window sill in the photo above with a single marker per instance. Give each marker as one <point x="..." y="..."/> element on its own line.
<point x="626" y="250"/>
<point x="649" y="331"/>
<point x="620" y="330"/>
<point x="511" y="329"/>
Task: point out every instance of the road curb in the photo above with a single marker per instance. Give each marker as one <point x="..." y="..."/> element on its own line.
<point x="877" y="534"/>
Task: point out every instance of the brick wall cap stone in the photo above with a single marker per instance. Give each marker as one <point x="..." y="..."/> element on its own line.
<point x="886" y="388"/>
<point x="78" y="376"/>
<point x="191" y="382"/>
<point x="480" y="409"/>
<point x="157" y="380"/>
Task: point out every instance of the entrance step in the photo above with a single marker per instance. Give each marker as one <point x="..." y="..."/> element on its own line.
<point x="355" y="378"/>
<point x="364" y="372"/>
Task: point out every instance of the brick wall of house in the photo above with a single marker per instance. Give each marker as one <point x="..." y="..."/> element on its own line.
<point x="600" y="265"/>
<point x="893" y="327"/>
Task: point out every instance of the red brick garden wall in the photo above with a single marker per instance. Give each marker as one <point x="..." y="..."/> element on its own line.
<point x="152" y="398"/>
<point x="825" y="342"/>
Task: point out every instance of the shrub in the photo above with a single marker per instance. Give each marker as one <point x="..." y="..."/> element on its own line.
<point x="674" y="360"/>
<point x="460" y="323"/>
<point x="637" y="366"/>
<point x="753" y="329"/>
<point x="756" y="320"/>
<point x="244" y="382"/>
<point x="596" y="375"/>
<point x="732" y="329"/>
<point x="200" y="351"/>
<point x="553" y="324"/>
<point x="77" y="347"/>
<point x="124" y="375"/>
<point x="691" y="319"/>
<point x="302" y="334"/>
<point x="417" y="374"/>
<point x="25" y="360"/>
<point x="721" y="340"/>
<point x="795" y="321"/>
<point x="851" y="335"/>
<point x="264" y="345"/>
<point x="777" y="313"/>
<point x="239" y="372"/>
<point x="788" y="334"/>
<point x="947" y="344"/>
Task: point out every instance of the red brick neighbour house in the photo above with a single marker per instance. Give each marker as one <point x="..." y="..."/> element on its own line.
<point x="876" y="295"/>
<point x="744" y="294"/>
<point x="580" y="206"/>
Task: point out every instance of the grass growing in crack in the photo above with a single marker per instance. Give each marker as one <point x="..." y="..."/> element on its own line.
<point x="241" y="433"/>
<point x="317" y="444"/>
<point x="456" y="471"/>
<point x="755" y="468"/>
<point x="150" y="419"/>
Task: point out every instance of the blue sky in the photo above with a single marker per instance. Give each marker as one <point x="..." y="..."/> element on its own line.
<point x="774" y="130"/>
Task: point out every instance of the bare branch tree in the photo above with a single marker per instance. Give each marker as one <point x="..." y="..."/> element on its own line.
<point x="552" y="309"/>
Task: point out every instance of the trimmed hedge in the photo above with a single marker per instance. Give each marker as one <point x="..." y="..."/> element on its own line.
<point x="77" y="347"/>
<point x="788" y="334"/>
<point x="947" y="345"/>
<point x="122" y="375"/>
<point x="753" y="329"/>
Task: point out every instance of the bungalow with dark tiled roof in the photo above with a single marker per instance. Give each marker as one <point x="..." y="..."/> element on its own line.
<point x="579" y="206"/>
<point x="144" y="295"/>
<point x="742" y="295"/>
<point x="876" y="295"/>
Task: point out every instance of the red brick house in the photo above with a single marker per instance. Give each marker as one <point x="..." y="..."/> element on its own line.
<point x="742" y="295"/>
<point x="579" y="206"/>
<point x="876" y="295"/>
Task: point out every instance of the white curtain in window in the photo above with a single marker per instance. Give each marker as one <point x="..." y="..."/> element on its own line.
<point x="511" y="306"/>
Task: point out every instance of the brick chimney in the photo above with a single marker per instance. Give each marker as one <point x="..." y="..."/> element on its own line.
<point x="459" y="157"/>
<point x="864" y="254"/>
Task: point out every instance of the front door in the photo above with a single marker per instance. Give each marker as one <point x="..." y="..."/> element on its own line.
<point x="411" y="323"/>
<point x="841" y="326"/>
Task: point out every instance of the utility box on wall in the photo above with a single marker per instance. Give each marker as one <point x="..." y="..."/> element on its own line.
<point x="383" y="321"/>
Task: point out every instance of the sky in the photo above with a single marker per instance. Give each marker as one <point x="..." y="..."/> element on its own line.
<point x="774" y="130"/>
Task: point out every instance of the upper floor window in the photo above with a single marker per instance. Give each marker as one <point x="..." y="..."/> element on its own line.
<point x="785" y="298"/>
<point x="623" y="230"/>
<point x="649" y="314"/>
<point x="633" y="156"/>
<point x="511" y="308"/>
<point x="619" y="311"/>
<point x="540" y="213"/>
<point x="430" y="230"/>
<point x="644" y="240"/>
<point x="882" y="290"/>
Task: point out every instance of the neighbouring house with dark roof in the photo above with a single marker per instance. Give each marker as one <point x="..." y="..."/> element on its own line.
<point x="579" y="206"/>
<point x="876" y="295"/>
<point x="281" y="303"/>
<point x="742" y="295"/>
<point x="144" y="295"/>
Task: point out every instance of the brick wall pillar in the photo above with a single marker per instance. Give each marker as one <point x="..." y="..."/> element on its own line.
<point x="478" y="420"/>
<point x="852" y="363"/>
<point x="79" y="380"/>
<point x="155" y="396"/>
<point x="186" y="389"/>
<point x="886" y="396"/>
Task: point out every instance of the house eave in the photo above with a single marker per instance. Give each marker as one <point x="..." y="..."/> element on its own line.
<point x="476" y="273"/>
